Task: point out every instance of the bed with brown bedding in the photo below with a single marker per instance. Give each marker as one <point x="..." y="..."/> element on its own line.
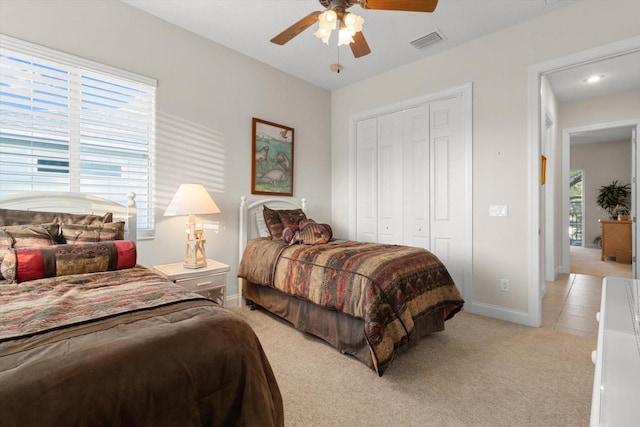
<point x="369" y="300"/>
<point x="87" y="337"/>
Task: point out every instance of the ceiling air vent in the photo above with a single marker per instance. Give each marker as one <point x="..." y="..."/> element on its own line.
<point x="428" y="40"/>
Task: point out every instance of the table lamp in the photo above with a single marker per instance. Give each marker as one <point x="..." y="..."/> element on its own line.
<point x="192" y="200"/>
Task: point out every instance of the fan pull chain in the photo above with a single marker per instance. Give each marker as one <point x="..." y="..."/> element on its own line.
<point x="336" y="67"/>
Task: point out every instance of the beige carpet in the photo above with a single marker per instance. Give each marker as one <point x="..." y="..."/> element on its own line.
<point x="587" y="261"/>
<point x="478" y="372"/>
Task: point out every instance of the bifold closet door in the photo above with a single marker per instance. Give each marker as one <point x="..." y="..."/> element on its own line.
<point x="413" y="181"/>
<point x="366" y="177"/>
<point x="390" y="178"/>
<point x="415" y="172"/>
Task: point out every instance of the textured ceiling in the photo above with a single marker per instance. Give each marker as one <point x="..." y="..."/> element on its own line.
<point x="247" y="26"/>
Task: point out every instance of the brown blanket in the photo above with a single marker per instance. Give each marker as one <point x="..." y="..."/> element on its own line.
<point x="388" y="286"/>
<point x="164" y="361"/>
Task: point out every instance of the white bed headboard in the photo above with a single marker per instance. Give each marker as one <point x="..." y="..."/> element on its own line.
<point x="249" y="210"/>
<point x="77" y="203"/>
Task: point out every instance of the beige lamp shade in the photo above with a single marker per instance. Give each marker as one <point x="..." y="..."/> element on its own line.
<point x="191" y="199"/>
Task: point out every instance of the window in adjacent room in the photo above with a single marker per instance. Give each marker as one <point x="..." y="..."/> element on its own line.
<point x="69" y="124"/>
<point x="576" y="207"/>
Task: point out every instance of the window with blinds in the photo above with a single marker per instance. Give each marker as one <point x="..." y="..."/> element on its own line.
<point x="68" y="124"/>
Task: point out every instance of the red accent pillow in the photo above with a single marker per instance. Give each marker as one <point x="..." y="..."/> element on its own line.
<point x="30" y="263"/>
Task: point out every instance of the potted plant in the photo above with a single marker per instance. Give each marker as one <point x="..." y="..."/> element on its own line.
<point x="623" y="213"/>
<point x="613" y="198"/>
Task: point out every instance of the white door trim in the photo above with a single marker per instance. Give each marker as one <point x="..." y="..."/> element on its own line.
<point x="534" y="112"/>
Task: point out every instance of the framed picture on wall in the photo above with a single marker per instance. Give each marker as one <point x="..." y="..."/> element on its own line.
<point x="272" y="159"/>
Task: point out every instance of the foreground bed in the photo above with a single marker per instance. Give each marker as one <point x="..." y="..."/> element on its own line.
<point x="122" y="346"/>
<point x="366" y="299"/>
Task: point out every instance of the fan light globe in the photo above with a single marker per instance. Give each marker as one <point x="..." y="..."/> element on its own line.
<point x="344" y="37"/>
<point x="323" y="34"/>
<point x="353" y="22"/>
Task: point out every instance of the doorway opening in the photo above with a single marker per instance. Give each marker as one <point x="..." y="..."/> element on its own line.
<point x="536" y="282"/>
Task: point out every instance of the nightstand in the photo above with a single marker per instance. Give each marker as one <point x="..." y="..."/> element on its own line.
<point x="209" y="281"/>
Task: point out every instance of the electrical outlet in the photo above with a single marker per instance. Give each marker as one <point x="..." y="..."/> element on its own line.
<point x="504" y="285"/>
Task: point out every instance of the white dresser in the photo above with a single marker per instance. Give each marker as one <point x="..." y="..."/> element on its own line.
<point x="616" y="385"/>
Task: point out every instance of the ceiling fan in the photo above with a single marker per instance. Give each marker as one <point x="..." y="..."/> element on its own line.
<point x="349" y="24"/>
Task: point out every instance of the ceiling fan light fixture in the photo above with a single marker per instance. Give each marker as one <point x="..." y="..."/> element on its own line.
<point x="328" y="19"/>
<point x="344" y="37"/>
<point x="323" y="34"/>
<point x="353" y="22"/>
<point x="326" y="23"/>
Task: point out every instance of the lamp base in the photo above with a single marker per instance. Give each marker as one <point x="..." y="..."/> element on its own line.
<point x="194" y="266"/>
<point x="194" y="256"/>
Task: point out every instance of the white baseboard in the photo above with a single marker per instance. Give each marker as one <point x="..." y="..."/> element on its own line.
<point x="232" y="301"/>
<point x="489" y="310"/>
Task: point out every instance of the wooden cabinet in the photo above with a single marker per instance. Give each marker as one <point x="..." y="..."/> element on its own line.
<point x="616" y="239"/>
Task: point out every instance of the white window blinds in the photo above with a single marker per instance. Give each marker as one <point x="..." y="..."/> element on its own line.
<point x="68" y="124"/>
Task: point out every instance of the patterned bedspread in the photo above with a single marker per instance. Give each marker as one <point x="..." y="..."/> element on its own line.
<point x="40" y="305"/>
<point x="387" y="286"/>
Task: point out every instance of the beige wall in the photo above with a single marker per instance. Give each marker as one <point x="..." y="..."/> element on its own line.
<point x="202" y="83"/>
<point x="497" y="65"/>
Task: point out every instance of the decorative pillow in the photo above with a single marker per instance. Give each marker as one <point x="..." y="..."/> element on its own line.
<point x="19" y="217"/>
<point x="309" y="233"/>
<point x="288" y="217"/>
<point x="32" y="234"/>
<point x="76" y="233"/>
<point x="6" y="243"/>
<point x="30" y="263"/>
<point x="289" y="233"/>
<point x="276" y="219"/>
<point x="8" y="266"/>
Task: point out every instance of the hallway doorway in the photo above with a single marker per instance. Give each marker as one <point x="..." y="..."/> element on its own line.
<point x="537" y="221"/>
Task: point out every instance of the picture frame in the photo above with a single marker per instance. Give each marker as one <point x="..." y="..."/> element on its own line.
<point x="272" y="158"/>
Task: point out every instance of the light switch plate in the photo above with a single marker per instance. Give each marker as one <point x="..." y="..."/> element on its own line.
<point x="498" y="210"/>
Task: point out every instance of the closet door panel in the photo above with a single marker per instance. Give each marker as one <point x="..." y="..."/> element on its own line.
<point x="416" y="176"/>
<point x="390" y="183"/>
<point x="366" y="188"/>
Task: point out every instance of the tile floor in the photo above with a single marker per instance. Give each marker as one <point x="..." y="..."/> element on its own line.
<point x="570" y="304"/>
